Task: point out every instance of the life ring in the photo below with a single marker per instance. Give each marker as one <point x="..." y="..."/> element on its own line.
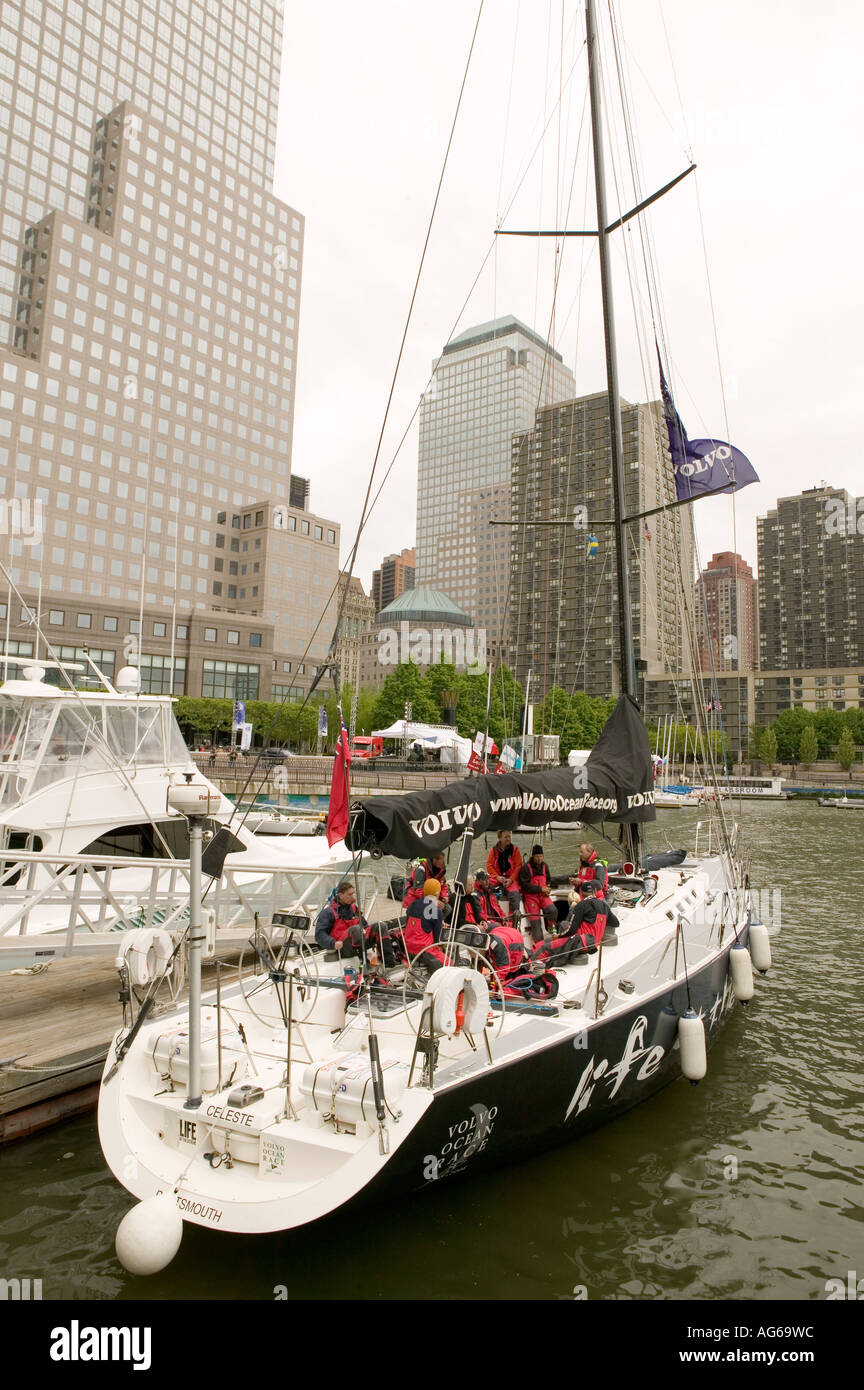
<point x="146" y="952"/>
<point x="456" y="998"/>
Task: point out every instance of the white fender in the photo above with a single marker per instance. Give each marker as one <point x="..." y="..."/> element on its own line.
<point x="442" y="996"/>
<point x="691" y="1041"/>
<point x="147" y="952"/>
<point x="760" y="946"/>
<point x="741" y="970"/>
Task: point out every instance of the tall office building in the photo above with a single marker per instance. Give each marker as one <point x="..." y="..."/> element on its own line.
<point x="726" y="615"/>
<point x="357" y="616"/>
<point x="564" y="606"/>
<point x="811" y="582"/>
<point x="487" y="384"/>
<point x="150" y="287"/>
<point x="393" y="578"/>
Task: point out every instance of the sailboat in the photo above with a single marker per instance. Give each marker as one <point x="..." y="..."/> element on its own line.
<point x="280" y="1103"/>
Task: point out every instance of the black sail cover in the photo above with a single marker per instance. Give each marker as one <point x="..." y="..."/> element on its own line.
<point x="616" y="784"/>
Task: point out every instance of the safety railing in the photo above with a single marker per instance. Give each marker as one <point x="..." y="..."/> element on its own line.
<point x="73" y="897"/>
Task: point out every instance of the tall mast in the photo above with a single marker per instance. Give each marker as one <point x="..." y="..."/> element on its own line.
<point x="625" y="623"/>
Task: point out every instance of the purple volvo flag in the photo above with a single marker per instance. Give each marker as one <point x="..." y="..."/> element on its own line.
<point x="702" y="466"/>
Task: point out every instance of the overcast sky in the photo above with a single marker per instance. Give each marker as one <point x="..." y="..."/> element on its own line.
<point x="771" y="108"/>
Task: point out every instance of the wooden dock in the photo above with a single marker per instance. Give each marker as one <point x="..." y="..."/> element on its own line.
<point x="55" y="1030"/>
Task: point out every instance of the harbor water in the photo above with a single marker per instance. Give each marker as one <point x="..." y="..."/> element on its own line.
<point x="745" y="1187"/>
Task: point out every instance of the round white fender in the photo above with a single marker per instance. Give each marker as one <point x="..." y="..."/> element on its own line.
<point x="691" y="1041"/>
<point x="147" y="952"/>
<point x="760" y="946"/>
<point x="741" y="970"/>
<point x="149" y="1235"/>
<point x="443" y="998"/>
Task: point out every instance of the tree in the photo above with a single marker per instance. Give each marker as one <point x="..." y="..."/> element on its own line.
<point x="829" y="727"/>
<point x="788" y="728"/>
<point x="768" y="747"/>
<point x="808" y="748"/>
<point x="846" y="753"/>
<point x="754" y="740"/>
<point x="405" y="683"/>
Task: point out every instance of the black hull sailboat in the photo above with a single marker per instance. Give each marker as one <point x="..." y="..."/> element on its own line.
<point x="277" y="1105"/>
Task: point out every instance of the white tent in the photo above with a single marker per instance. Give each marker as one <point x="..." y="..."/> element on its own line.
<point x="453" y="748"/>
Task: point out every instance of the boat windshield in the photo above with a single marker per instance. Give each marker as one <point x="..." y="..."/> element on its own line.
<point x="48" y="741"/>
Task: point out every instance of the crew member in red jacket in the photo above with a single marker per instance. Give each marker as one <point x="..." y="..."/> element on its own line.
<point x="423" y="926"/>
<point x="533" y="883"/>
<point x="503" y="863"/>
<point x="584" y="932"/>
<point x="590" y="868"/>
<point x="433" y="867"/>
<point x="491" y="909"/>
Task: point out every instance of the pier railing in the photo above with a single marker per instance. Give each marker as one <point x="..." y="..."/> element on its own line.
<point x="59" y="905"/>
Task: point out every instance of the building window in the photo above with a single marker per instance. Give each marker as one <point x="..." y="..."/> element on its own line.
<point x="209" y="634"/>
<point x="57" y="617"/>
<point x="319" y="533"/>
<point x="230" y="680"/>
<point x="220" y="542"/>
<point x="259" y="518"/>
<point x="235" y="522"/>
<point x="109" y="624"/>
<point x="233" y="639"/>
<point x="156" y="675"/>
<point x="135" y="625"/>
<point x="331" y="536"/>
<point x="286" y="666"/>
<point x="254" y="639"/>
<point x="217" y="588"/>
<point x="247" y="521"/>
<point x="159" y="629"/>
<point x="221" y="518"/>
<point x="304" y="528"/>
<point x="182" y="632"/>
<point x="84" y="620"/>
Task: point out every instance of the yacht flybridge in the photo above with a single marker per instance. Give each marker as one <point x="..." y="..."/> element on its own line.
<point x="88" y="843"/>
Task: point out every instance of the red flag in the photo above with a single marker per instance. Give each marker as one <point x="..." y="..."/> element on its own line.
<point x="337" y="814"/>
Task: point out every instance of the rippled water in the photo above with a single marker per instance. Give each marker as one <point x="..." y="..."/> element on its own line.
<point x="746" y="1187"/>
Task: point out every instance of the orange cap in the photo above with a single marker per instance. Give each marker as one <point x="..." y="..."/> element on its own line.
<point x="431" y="888"/>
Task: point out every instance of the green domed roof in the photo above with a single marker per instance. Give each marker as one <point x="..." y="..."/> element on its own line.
<point x="424" y="605"/>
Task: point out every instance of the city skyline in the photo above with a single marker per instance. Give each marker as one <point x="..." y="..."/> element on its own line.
<point x="788" y="341"/>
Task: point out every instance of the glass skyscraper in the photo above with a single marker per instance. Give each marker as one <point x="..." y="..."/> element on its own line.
<point x="149" y="288"/>
<point x="487" y="385"/>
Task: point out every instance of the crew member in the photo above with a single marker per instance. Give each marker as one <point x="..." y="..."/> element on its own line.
<point x="507" y="950"/>
<point x="533" y="884"/>
<point x="590" y="867"/>
<point x="503" y="863"/>
<point x="585" y="930"/>
<point x="490" y="908"/>
<point x="334" y="923"/>
<point x="471" y="909"/>
<point x="433" y="867"/>
<point x="423" y="925"/>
